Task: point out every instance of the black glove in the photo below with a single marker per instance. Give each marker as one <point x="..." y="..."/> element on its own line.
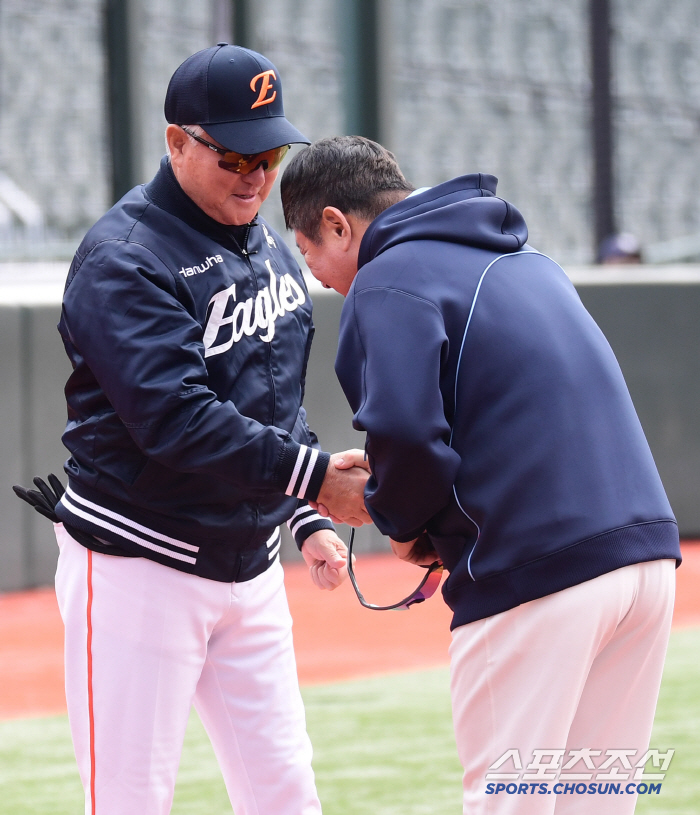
<point x="44" y="502"/>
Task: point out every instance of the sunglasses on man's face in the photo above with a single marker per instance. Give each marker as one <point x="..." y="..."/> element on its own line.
<point x="244" y="163"/>
<point x="427" y="588"/>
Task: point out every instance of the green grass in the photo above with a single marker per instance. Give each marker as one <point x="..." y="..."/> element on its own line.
<point x="677" y="725"/>
<point x="38" y="773"/>
<point x="383" y="746"/>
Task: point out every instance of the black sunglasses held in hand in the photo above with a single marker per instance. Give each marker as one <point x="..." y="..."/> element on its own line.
<point x="427" y="588"/>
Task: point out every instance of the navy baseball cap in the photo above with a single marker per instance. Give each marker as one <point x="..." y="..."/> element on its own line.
<point x="236" y="95"/>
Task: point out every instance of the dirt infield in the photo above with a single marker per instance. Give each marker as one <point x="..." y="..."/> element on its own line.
<point x="335" y="637"/>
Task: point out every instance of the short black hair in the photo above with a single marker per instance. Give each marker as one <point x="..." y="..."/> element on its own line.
<point x="352" y="173"/>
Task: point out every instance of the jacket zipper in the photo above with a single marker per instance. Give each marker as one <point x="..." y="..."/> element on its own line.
<point x="246" y="255"/>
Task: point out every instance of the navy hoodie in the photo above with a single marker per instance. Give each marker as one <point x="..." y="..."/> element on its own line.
<point x="496" y="414"/>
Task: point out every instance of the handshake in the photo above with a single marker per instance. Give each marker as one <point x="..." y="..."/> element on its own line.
<point x="342" y="494"/>
<point x="342" y="499"/>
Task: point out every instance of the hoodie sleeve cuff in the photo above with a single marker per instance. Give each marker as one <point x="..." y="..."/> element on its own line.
<point x="302" y="470"/>
<point x="305" y="522"/>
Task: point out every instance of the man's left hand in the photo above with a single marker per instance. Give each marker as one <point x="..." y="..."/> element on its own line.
<point x="419" y="551"/>
<point x="327" y="557"/>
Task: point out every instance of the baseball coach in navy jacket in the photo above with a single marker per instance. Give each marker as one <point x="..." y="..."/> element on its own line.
<point x="502" y="440"/>
<point x="188" y="325"/>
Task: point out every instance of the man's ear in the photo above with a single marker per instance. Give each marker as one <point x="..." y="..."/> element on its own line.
<point x="335" y="226"/>
<point x="176" y="138"/>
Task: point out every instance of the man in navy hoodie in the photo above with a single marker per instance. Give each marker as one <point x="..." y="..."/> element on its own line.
<point x="502" y="441"/>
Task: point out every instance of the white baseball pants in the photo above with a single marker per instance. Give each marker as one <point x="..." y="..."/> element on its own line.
<point x="577" y="669"/>
<point x="143" y="643"/>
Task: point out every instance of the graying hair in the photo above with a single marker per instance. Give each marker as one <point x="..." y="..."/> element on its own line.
<point x="196" y="129"/>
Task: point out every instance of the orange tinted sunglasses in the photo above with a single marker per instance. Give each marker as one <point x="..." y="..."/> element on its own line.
<point x="244" y="163"/>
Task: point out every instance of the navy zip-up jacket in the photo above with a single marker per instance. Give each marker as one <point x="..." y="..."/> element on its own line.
<point x="189" y="342"/>
<point x="496" y="414"/>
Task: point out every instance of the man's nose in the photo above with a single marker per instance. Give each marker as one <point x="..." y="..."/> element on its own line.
<point x="257" y="177"/>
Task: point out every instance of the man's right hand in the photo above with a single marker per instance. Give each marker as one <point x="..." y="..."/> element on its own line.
<point x="342" y="494"/>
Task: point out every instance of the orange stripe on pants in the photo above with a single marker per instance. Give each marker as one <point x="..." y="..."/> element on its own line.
<point x="91" y="706"/>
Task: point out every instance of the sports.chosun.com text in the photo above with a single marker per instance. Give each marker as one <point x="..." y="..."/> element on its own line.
<point x="543" y="788"/>
<point x="616" y="771"/>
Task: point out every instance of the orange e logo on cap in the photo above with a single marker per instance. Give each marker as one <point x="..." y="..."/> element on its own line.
<point x="265" y="86"/>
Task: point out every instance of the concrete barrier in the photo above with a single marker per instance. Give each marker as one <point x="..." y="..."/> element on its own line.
<point x="650" y="316"/>
<point x="33" y="371"/>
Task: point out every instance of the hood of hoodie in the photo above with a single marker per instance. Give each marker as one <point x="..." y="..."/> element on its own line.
<point x="463" y="210"/>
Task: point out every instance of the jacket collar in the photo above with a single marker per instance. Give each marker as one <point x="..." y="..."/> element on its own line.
<point x="166" y="193"/>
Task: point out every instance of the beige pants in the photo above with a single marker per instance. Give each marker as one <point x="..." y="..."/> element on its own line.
<point x="578" y="670"/>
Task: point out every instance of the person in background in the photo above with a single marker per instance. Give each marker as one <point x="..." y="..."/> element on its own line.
<point x="622" y="248"/>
